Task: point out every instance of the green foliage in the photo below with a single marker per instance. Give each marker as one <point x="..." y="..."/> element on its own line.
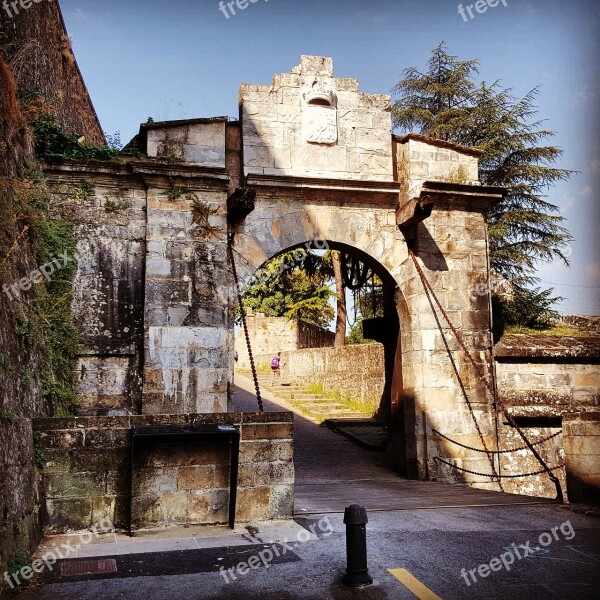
<point x="4" y="361"/>
<point x="39" y="460"/>
<point x="111" y="206"/>
<point x="9" y="415"/>
<point x="44" y="323"/>
<point x="55" y="239"/>
<point x="52" y="143"/>
<point x="445" y="102"/>
<point x="16" y="561"/>
<point x="83" y="191"/>
<point x="175" y="192"/>
<point x="291" y="285"/>
<point x="524" y="308"/>
<point x="316" y="387"/>
<point x="356" y="334"/>
<point x="26" y="380"/>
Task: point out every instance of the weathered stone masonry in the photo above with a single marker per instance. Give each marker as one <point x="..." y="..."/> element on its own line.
<point x="155" y="293"/>
<point x="86" y="477"/>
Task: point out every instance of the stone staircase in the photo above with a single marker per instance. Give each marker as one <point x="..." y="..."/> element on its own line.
<point x="317" y="407"/>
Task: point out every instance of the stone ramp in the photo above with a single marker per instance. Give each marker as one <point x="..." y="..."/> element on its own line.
<point x="394" y="494"/>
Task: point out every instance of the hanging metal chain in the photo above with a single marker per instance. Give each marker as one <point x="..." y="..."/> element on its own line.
<point x="244" y="323"/>
<point x="493" y="476"/>
<point x="498" y="404"/>
<point x="354" y="272"/>
<point x="496" y="451"/>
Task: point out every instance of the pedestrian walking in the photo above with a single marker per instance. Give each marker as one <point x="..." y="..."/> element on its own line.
<point x="276" y="365"/>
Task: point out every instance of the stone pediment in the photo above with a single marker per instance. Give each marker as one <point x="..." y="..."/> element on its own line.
<point x="308" y="123"/>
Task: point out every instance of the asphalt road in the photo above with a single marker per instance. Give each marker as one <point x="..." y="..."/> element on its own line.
<point x="432" y="545"/>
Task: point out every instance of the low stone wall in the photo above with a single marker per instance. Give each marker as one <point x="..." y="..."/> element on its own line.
<point x="269" y="335"/>
<point x="548" y="376"/>
<point x="356" y="371"/>
<point x="541" y="379"/>
<point x="581" y="438"/>
<point x="87" y="461"/>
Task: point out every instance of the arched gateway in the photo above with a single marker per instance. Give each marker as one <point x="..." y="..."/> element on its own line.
<point x="154" y="288"/>
<point x="337" y="173"/>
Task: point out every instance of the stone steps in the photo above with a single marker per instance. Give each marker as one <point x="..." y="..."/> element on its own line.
<point x="317" y="406"/>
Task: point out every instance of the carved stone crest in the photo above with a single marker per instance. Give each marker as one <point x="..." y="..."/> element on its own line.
<point x="319" y="112"/>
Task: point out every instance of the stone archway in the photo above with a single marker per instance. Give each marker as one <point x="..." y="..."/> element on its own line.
<point x="360" y="222"/>
<point x="385" y="330"/>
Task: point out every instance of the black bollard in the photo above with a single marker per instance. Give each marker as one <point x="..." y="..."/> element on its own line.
<point x="357" y="572"/>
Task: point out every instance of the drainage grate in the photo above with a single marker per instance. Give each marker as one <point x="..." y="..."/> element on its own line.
<point x="73" y="568"/>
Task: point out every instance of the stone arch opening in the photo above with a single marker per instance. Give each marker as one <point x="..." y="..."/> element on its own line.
<point x="392" y="331"/>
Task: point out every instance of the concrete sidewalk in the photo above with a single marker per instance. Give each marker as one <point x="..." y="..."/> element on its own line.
<point x="434" y="546"/>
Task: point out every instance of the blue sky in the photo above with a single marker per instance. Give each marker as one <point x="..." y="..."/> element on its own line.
<point x="176" y="59"/>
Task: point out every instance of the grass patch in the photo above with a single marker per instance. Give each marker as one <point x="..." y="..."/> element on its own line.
<point x="367" y="406"/>
<point x="316" y="387"/>
<point x="556" y="330"/>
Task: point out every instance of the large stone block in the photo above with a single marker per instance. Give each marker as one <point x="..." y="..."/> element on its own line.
<point x="267" y="432"/>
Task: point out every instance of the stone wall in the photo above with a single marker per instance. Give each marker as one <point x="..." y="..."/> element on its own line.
<point x="308" y="123"/>
<point x="195" y="141"/>
<point x="548" y="376"/>
<point x="441" y="389"/>
<point x="188" y="307"/>
<point x="419" y="159"/>
<point x="269" y="335"/>
<point x="541" y="379"/>
<point x="356" y="371"/>
<point x="581" y="434"/>
<point x="152" y="289"/>
<point x="87" y="460"/>
<point x="311" y="336"/>
<point x="107" y="206"/>
<point x="36" y="44"/>
<point x="20" y="357"/>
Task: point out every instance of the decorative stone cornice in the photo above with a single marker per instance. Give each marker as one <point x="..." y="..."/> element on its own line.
<point x="349" y="190"/>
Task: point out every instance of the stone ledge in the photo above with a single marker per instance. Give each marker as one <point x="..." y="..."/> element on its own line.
<point x="547" y="347"/>
<point x="582" y="416"/>
<point x="125" y="422"/>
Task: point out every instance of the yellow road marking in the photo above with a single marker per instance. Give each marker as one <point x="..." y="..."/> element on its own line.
<point x="413" y="584"/>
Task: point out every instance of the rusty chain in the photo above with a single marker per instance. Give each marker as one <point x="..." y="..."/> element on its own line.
<point x="495" y="451"/>
<point x="502" y="476"/>
<point x="245" y="325"/>
<point x="497" y="403"/>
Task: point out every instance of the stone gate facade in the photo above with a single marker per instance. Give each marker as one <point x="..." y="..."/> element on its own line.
<point x="155" y="293"/>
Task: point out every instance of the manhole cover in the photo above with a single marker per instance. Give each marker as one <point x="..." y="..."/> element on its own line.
<point x="72" y="568"/>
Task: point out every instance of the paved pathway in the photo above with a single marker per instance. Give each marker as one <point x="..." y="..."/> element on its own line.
<point x="332" y="472"/>
<point x="319" y="453"/>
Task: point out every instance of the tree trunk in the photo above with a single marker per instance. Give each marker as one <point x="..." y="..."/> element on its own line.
<point x="340" y="289"/>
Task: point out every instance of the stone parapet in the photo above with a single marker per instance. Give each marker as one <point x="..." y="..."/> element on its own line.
<point x="86" y="471"/>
